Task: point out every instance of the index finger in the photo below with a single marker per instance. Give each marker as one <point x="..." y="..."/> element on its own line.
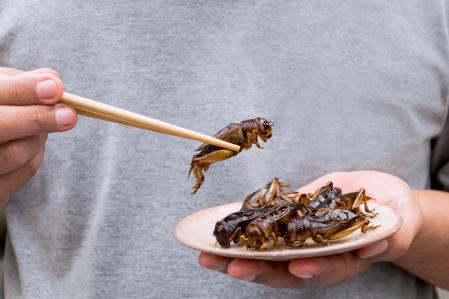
<point x="214" y="262"/>
<point x="30" y="88"/>
<point x="22" y="121"/>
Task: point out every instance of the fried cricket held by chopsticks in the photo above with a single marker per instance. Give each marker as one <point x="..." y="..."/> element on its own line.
<point x="244" y="134"/>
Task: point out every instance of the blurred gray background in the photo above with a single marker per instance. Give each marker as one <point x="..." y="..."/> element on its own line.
<point x="443" y="294"/>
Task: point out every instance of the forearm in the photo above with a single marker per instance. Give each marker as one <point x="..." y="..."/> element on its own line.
<point x="428" y="256"/>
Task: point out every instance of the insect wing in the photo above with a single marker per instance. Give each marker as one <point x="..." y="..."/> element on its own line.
<point x="231" y="133"/>
<point x="280" y="212"/>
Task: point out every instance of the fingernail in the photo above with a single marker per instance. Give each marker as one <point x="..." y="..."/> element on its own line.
<point x="375" y="250"/>
<point x="64" y="116"/>
<point x="46" y="89"/>
<point x="305" y="275"/>
<point x="249" y="278"/>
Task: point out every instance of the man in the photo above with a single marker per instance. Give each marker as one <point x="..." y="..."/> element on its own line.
<point x="351" y="86"/>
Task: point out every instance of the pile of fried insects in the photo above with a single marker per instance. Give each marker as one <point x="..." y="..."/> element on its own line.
<point x="271" y="218"/>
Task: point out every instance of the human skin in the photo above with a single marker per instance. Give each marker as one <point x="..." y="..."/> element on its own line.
<point x="420" y="246"/>
<point x="29" y="110"/>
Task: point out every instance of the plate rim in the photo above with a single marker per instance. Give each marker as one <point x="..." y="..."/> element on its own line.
<point x="286" y="253"/>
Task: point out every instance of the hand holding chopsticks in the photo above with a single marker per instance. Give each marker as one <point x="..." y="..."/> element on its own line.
<point x="110" y="113"/>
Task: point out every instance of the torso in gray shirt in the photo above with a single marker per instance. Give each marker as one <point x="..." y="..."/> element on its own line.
<point x="350" y="84"/>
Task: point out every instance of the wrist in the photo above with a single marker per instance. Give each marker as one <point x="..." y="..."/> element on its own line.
<point x="402" y="241"/>
<point x="423" y="213"/>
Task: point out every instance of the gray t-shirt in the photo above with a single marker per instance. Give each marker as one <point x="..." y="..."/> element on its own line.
<point x="350" y="84"/>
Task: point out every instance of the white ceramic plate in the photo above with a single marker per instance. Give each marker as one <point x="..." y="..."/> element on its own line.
<point x="195" y="231"/>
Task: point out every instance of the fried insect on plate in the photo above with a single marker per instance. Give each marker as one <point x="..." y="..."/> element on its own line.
<point x="269" y="214"/>
<point x="272" y="195"/>
<point x="232" y="226"/>
<point x="265" y="195"/>
<point x="244" y="134"/>
<point x="352" y="201"/>
<point x="331" y="225"/>
<point x="323" y="196"/>
<point x="264" y="228"/>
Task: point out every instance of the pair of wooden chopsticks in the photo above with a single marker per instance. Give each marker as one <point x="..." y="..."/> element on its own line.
<point x="110" y="113"/>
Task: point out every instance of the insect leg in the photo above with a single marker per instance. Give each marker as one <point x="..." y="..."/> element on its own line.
<point x="236" y="235"/>
<point x="251" y="140"/>
<point x="199" y="177"/>
<point x="303" y="199"/>
<point x="274" y="237"/>
<point x="365" y="202"/>
<point x="366" y="228"/>
<point x="350" y="230"/>
<point x="319" y="239"/>
<point x="264" y="245"/>
<point x="265" y="139"/>
<point x="320" y="190"/>
<point x="253" y="135"/>
<point x="244" y="240"/>
<point x="296" y="244"/>
<point x="361" y="198"/>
